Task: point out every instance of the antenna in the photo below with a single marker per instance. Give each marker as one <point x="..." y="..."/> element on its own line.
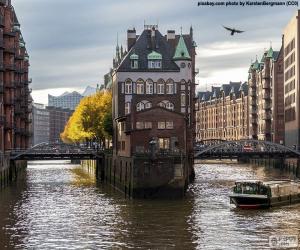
<point x="181" y="30"/>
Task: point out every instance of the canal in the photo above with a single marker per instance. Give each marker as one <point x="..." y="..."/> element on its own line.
<point x="57" y="206"/>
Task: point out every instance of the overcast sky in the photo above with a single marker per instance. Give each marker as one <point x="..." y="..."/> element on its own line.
<point x="71" y="43"/>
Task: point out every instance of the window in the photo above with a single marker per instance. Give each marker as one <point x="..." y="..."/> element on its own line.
<point x="140" y="106"/>
<point x="128" y="87"/>
<point x="164" y="143"/>
<point x="154" y="64"/>
<point x="140" y="86"/>
<point x="182" y="99"/>
<point x="149" y="87"/>
<point x="123" y="145"/>
<point x="127" y="108"/>
<point x="166" y="104"/>
<point x="143" y="105"/>
<point x="160" y="87"/>
<point x="148" y="124"/>
<point x="139" y="125"/>
<point x="170" y="87"/>
<point x="169" y="125"/>
<point x="134" y="64"/>
<point x="161" y="125"/>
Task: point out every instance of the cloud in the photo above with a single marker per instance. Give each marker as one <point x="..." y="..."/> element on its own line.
<point x="72" y="42"/>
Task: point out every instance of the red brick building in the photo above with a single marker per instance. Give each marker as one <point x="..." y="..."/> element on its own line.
<point x="154" y="93"/>
<point x="14" y="91"/>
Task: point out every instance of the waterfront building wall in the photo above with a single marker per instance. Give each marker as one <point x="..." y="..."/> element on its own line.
<point x="291" y="81"/>
<point x="14" y="90"/>
<point x="223" y="113"/>
<point x="266" y="100"/>
<point x="153" y="98"/>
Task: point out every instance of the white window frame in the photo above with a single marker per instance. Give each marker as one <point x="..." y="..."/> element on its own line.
<point x="140" y="88"/>
<point x="149" y="87"/>
<point x="127" y="108"/>
<point x="128" y="87"/>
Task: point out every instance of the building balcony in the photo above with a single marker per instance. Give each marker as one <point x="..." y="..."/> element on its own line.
<point x="267" y="106"/>
<point x="253" y="93"/>
<point x="253" y="120"/>
<point x="266" y="96"/>
<point x="10" y="67"/>
<point x="253" y="111"/>
<point x="8" y="101"/>
<point x="266" y="85"/>
<point x="9" y="85"/>
<point x="253" y="102"/>
<point x="9" y="33"/>
<point x="267" y="116"/>
<point x="3" y="2"/>
<point x="9" y="48"/>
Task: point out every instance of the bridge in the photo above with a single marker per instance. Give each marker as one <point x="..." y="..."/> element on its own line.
<point x="220" y="149"/>
<point x="56" y="151"/>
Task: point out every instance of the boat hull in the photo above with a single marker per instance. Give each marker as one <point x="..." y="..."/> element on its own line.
<point x="255" y="203"/>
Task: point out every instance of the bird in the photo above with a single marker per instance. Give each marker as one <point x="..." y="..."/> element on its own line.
<point x="232" y="30"/>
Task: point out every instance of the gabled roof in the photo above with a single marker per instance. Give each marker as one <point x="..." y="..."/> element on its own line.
<point x="256" y="65"/>
<point x="181" y="52"/>
<point x="143" y="48"/>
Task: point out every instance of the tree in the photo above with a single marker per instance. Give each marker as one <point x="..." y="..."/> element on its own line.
<point x="91" y="121"/>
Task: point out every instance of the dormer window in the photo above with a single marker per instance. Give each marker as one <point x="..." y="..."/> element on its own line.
<point x="154" y="60"/>
<point x="134" y="61"/>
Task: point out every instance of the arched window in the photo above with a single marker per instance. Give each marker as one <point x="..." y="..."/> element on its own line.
<point x="170" y="87"/>
<point x="166" y="104"/>
<point x="160" y="87"/>
<point x="128" y="86"/>
<point x="140" y="86"/>
<point x="127" y="108"/>
<point x="143" y="105"/>
<point x="149" y="87"/>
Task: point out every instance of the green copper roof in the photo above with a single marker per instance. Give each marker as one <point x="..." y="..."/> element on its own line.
<point x="270" y="53"/>
<point x="154" y="56"/>
<point x="263" y="58"/>
<point x="181" y="51"/>
<point x="134" y="57"/>
<point x="256" y="65"/>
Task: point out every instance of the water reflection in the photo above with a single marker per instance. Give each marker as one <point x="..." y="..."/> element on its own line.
<point x="59" y="206"/>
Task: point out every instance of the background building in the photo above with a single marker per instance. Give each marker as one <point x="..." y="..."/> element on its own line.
<point x="14" y="91"/>
<point x="40" y="124"/>
<point x="69" y="100"/>
<point x="58" y="118"/>
<point x="291" y="82"/>
<point x="266" y="99"/>
<point x="223" y="113"/>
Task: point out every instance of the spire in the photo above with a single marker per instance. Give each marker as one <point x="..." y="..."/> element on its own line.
<point x="181" y="52"/>
<point x="191" y="32"/>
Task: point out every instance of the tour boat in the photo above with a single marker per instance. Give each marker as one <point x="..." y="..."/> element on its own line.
<point x="264" y="194"/>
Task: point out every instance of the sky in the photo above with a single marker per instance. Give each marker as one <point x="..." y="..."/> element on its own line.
<point x="71" y="43"/>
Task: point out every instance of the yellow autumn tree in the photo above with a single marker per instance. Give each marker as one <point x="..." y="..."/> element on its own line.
<point x="89" y="121"/>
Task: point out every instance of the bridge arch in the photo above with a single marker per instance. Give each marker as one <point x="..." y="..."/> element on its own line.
<point x="248" y="147"/>
<point x="55" y="151"/>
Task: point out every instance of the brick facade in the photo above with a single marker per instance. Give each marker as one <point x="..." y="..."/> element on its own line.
<point x="15" y="99"/>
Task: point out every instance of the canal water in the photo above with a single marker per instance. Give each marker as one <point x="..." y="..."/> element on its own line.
<point x="58" y="206"/>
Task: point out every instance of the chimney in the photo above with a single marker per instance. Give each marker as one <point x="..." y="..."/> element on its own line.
<point x="171" y="37"/>
<point x="153" y="42"/>
<point x="131" y="38"/>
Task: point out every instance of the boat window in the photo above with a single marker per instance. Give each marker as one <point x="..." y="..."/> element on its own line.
<point x="250" y="188"/>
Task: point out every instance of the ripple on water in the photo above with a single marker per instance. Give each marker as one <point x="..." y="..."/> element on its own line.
<point x="61" y="208"/>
